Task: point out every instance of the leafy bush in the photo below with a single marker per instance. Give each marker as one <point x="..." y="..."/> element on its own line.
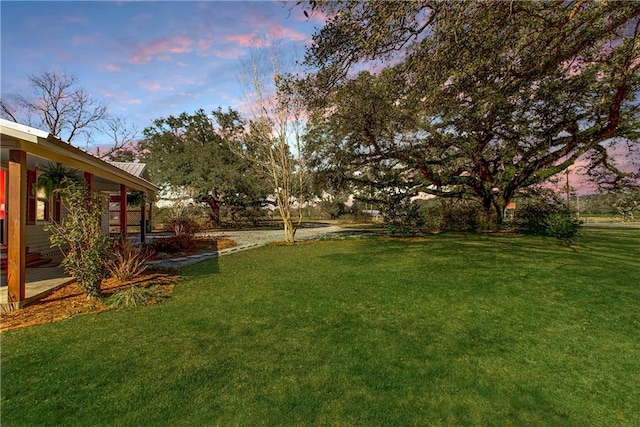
<point x="172" y="245"/>
<point x="134" y="296"/>
<point x="456" y="215"/>
<point x="135" y="198"/>
<point x="87" y="252"/>
<point x="531" y="216"/>
<point x="547" y="216"/>
<point x="129" y="261"/>
<point x="401" y="215"/>
<point x="562" y="226"/>
<point x="239" y="215"/>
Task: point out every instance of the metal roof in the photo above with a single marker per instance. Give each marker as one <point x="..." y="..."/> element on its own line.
<point x="135" y="169"/>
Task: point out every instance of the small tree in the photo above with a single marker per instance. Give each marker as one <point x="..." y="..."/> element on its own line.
<point x="86" y="250"/>
<point x="627" y="203"/>
<point x="274" y="143"/>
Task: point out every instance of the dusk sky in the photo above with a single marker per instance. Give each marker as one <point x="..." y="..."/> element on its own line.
<point x="146" y="59"/>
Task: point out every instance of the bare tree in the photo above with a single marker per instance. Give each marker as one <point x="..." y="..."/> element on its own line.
<point x="274" y="141"/>
<point x="55" y="104"/>
<point x="123" y="136"/>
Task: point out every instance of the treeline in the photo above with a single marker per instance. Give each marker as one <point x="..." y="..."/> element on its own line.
<point x="624" y="203"/>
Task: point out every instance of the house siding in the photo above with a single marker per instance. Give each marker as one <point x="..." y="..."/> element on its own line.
<point x="38" y="238"/>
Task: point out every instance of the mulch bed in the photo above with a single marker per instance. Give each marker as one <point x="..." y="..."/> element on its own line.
<point x="69" y="301"/>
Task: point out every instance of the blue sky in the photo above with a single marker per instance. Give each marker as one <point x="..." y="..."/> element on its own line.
<point x="146" y="59"/>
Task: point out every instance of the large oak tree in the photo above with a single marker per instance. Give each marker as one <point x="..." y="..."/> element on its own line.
<point x="477" y="99"/>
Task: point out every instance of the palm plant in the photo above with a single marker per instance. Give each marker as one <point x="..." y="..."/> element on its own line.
<point x="55" y="177"/>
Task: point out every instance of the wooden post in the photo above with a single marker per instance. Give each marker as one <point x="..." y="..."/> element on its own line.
<point x="88" y="178"/>
<point x="123" y="211"/>
<point x="17" y="221"/>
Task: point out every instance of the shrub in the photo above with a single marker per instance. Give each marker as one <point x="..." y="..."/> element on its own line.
<point x="134" y="296"/>
<point x="129" y="261"/>
<point x="172" y="245"/>
<point x="456" y="215"/>
<point x="401" y="215"/>
<point x="238" y="214"/>
<point x="547" y="216"/>
<point x="183" y="219"/>
<point x="562" y="226"/>
<point x="333" y="208"/>
<point x="79" y="235"/>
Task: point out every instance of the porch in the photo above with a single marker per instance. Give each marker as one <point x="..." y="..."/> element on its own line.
<point x="25" y="155"/>
<point x="39" y="281"/>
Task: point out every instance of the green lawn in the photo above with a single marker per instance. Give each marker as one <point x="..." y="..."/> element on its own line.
<point x="457" y="329"/>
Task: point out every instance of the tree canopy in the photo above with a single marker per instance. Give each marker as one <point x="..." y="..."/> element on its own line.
<point x="189" y="152"/>
<point x="474" y="99"/>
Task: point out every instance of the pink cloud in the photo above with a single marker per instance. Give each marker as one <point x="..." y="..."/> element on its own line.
<point x="112" y="67"/>
<point x="63" y="56"/>
<point x="150" y="86"/>
<point x="288" y="34"/>
<point x="623" y="155"/>
<point x="275" y="32"/>
<point x="122" y="97"/>
<point x="318" y="16"/>
<point x="247" y="40"/>
<point x="161" y="49"/>
<point x="75" y="19"/>
<point x="230" y="53"/>
<point x="203" y="46"/>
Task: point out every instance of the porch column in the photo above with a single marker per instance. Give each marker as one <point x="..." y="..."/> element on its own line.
<point x="88" y="178"/>
<point x="17" y="221"/>
<point x="123" y="211"/>
<point x="143" y="222"/>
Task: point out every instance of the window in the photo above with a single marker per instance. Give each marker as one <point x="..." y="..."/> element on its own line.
<point x="31" y="197"/>
<point x="42" y="206"/>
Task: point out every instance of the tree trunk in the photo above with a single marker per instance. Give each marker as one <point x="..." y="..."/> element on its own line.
<point x="494" y="209"/>
<point x="289" y="231"/>
<point x="214" y="205"/>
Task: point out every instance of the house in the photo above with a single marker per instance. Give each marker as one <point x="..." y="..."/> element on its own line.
<point x="510" y="211"/>
<point x="25" y="153"/>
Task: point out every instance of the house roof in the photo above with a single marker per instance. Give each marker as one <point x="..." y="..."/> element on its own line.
<point x="135" y="169"/>
<point x="16" y="136"/>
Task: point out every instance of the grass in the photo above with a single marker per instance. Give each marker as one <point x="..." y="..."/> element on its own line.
<point x="453" y="329"/>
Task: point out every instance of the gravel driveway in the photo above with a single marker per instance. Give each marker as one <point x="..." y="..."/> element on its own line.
<point x="262" y="237"/>
<point x="248" y="240"/>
